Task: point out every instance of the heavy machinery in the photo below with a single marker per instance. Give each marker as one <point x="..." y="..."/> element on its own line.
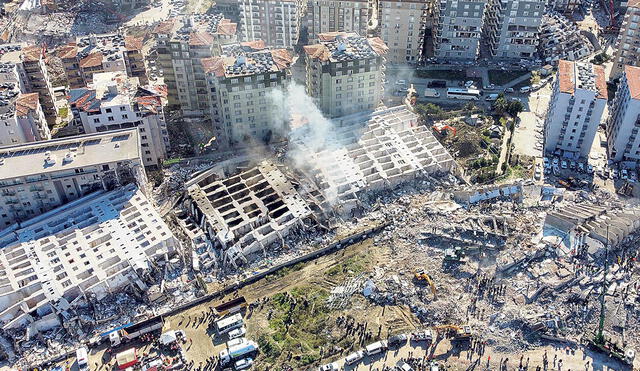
<point x="460" y="333"/>
<point x="422" y="276"/>
<point x="454" y="255"/>
<point x="599" y="342"/>
<point x="444" y="129"/>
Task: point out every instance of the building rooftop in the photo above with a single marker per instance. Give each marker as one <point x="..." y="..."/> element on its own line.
<point x="245" y="59"/>
<point x="91" y="60"/>
<point x="197" y="29"/>
<point x="633" y="80"/>
<point x="132" y="43"/>
<point x="578" y="75"/>
<point x="27" y="103"/>
<point x="345" y="46"/>
<point x="68" y="51"/>
<point x="32" y="53"/>
<point x="32" y="159"/>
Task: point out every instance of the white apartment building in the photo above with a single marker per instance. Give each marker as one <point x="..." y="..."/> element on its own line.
<point x="276" y="22"/>
<point x="512" y="28"/>
<point x="40" y="176"/>
<point x="77" y="253"/>
<point x="400" y="26"/>
<point x="345" y="73"/>
<point x="333" y="16"/>
<point x="628" y="42"/>
<point x="624" y="120"/>
<point x="241" y="82"/>
<point x="115" y="101"/>
<point x="577" y="102"/>
<point x="21" y="117"/>
<point x="459" y="29"/>
<point x="181" y="44"/>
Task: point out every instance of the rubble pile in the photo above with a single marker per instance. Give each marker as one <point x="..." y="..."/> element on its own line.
<point x="560" y="38"/>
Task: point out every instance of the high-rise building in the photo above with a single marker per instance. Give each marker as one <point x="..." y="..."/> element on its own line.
<point x="33" y="64"/>
<point x="336" y="16"/>
<point x="624" y="120"/>
<point x="628" y="42"/>
<point x="276" y="22"/>
<point x="40" y="176"/>
<point x="181" y="44"/>
<point x="459" y="29"/>
<point x="575" y="110"/>
<point x="401" y="25"/>
<point x="241" y="82"/>
<point x="115" y="101"/>
<point x="21" y="118"/>
<point x="345" y="72"/>
<point x="512" y="27"/>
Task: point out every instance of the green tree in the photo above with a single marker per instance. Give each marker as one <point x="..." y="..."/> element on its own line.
<point x="514" y="107"/>
<point x="500" y="105"/>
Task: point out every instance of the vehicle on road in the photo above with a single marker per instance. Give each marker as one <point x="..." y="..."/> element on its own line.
<point x="397" y="340"/>
<point x="465" y="94"/>
<point x="431" y="93"/>
<point x="624" y="174"/>
<point x="564" y="164"/>
<point x="237" y="332"/>
<point x="492" y="97"/>
<point x="546" y="162"/>
<point x="354" y="357"/>
<point x="555" y="161"/>
<point x="401" y="82"/>
<point x="581" y="167"/>
<point x="82" y="358"/>
<point x="509" y="90"/>
<point x="329" y="367"/>
<point x="437" y="84"/>
<point x="525" y="89"/>
<point x="489" y="87"/>
<point x="377" y="347"/>
<point x="244" y="363"/>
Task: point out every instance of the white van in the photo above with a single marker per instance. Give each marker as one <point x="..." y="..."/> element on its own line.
<point x="376" y="347"/>
<point x="431" y="93"/>
<point x="82" y="357"/>
<point x="525" y="89"/>
<point x="492" y="97"/>
<point x="354" y="357"/>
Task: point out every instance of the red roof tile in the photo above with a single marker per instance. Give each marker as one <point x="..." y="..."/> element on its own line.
<point x="213" y="65"/>
<point x="566" y="76"/>
<point x="91" y="60"/>
<point x="26" y="103"/>
<point x="68" y="51"/>
<point x="32" y="53"/>
<point x="133" y="43"/>
<point x="601" y="82"/>
<point x="632" y="75"/>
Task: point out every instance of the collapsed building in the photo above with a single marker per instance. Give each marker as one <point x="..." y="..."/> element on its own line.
<point x="246" y="212"/>
<point x="78" y="253"/>
<point x="560" y="38"/>
<point x="591" y="227"/>
<point x="368" y="152"/>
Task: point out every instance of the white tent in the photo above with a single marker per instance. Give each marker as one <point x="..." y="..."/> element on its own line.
<point x="168" y="337"/>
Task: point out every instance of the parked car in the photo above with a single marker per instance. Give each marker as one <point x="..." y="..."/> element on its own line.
<point x="237" y="332"/>
<point x="509" y="90"/>
<point x="546" y="162"/>
<point x="555" y="161"/>
<point x="581" y="167"/>
<point x="624" y="174"/>
<point x="564" y="164"/>
<point x="525" y="89"/>
<point x="354" y="357"/>
<point x="396" y="340"/>
<point x="377" y="347"/>
<point x="403" y="366"/>
<point x="589" y="169"/>
<point x="330" y="367"/>
<point x="244" y="363"/>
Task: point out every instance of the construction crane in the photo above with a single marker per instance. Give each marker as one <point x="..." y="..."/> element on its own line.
<point x="599" y="342"/>
<point x="422" y="275"/>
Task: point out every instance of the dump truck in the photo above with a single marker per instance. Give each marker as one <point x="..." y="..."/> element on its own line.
<point x="233" y="306"/>
<point x="129" y="332"/>
<point x="237" y="352"/>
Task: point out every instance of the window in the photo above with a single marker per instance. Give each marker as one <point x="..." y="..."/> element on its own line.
<point x="110" y="118"/>
<point x="122" y="108"/>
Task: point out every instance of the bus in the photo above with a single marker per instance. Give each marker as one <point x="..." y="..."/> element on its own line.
<point x="227" y="324"/>
<point x="468" y="94"/>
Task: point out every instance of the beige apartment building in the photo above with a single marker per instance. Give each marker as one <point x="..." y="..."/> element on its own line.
<point x="181" y="43"/>
<point x="40" y="176"/>
<point x="115" y="101"/>
<point x="401" y="24"/>
<point x="241" y="82"/>
<point x="345" y="72"/>
<point x="276" y="22"/>
<point x="21" y="117"/>
<point x="333" y="16"/>
<point x="628" y="42"/>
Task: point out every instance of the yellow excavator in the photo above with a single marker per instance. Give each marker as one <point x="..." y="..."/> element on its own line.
<point x="422" y="275"/>
<point x="461" y="333"/>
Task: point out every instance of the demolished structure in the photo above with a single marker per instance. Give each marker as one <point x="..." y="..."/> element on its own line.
<point x="77" y="253"/>
<point x="368" y="152"/>
<point x="560" y="38"/>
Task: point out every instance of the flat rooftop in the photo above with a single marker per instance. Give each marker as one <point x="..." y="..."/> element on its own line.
<point x="246" y="59"/>
<point x="345" y="46"/>
<point x="585" y="76"/>
<point x="91" y="149"/>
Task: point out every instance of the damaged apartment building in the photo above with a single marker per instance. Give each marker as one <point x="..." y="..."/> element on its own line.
<point x="241" y="82"/>
<point x="116" y="101"/>
<point x="93" y="54"/>
<point x="560" y="38"/>
<point x="77" y="254"/>
<point x="181" y="44"/>
<point x="247" y="210"/>
<point x="250" y="210"/>
<point x="369" y="152"/>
